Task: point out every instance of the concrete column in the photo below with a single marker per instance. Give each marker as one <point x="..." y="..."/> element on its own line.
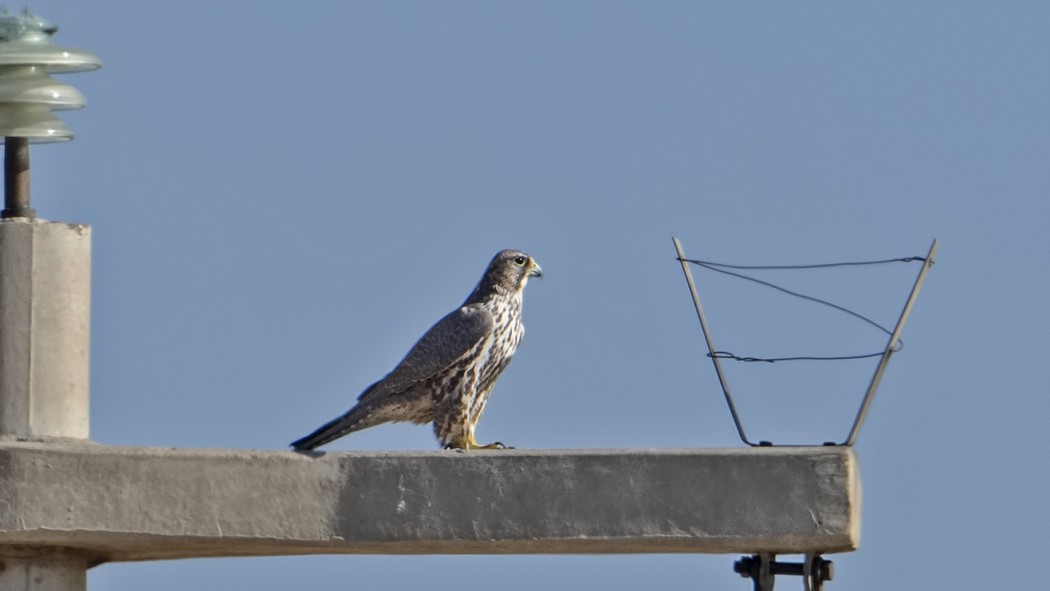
<point x="43" y="571"/>
<point x="45" y="304"/>
<point x="45" y="300"/>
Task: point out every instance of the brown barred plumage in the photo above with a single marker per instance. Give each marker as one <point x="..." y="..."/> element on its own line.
<point x="447" y="376"/>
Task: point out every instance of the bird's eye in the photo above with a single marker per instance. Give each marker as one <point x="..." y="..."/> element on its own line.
<point x="520" y="261"/>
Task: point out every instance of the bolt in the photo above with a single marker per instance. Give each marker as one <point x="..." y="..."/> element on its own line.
<point x="824" y="569"/>
<point x="744" y="567"/>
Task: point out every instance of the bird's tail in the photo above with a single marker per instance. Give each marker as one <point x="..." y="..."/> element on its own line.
<point x="355" y="419"/>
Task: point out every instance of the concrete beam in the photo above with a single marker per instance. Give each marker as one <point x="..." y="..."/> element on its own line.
<point x="132" y="503"/>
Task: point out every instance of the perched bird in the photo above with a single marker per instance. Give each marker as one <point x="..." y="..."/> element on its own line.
<point x="448" y="374"/>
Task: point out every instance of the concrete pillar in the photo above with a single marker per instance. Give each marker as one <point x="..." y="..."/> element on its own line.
<point x="45" y="300"/>
<point x="45" y="304"/>
<point x="43" y="571"/>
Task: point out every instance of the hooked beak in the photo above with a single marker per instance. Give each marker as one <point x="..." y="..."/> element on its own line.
<point x="535" y="270"/>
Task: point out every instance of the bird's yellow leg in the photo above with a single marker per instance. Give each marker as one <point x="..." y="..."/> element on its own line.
<point x="461" y="443"/>
<point x="495" y="445"/>
<point x="474" y="444"/>
<point x="467" y="442"/>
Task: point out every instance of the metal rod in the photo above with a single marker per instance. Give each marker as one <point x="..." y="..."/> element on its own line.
<point x="894" y="337"/>
<point x="16" y="179"/>
<point x="710" y="342"/>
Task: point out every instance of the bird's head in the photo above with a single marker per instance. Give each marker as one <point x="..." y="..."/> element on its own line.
<point x="512" y="269"/>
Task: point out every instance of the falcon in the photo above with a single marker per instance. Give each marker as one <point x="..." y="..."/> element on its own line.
<point x="448" y="374"/>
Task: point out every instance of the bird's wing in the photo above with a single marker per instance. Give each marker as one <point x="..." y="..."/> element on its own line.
<point x="444" y="344"/>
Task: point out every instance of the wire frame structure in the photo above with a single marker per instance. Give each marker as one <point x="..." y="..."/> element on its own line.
<point x="873" y="385"/>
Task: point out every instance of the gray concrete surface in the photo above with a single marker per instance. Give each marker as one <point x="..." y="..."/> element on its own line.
<point x="45" y="298"/>
<point x="34" y="569"/>
<point x="132" y="503"/>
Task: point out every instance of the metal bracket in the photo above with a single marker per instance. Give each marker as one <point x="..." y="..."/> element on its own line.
<point x="762" y="568"/>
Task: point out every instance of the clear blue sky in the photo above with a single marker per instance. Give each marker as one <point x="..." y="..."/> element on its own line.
<point x="284" y="198"/>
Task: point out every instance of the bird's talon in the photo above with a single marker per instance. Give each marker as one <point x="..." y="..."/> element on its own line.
<point x="496" y="445"/>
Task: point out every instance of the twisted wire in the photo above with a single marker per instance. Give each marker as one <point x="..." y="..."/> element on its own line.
<point x="723" y="268"/>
